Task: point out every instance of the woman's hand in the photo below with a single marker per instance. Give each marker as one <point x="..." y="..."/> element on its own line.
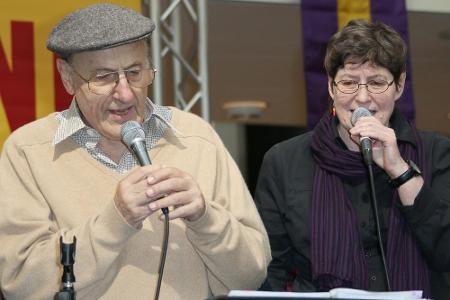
<point x="385" y="150"/>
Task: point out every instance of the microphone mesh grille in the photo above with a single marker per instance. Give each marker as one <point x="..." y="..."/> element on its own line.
<point x="358" y="113"/>
<point x="130" y="131"/>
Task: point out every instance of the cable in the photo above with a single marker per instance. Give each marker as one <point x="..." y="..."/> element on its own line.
<point x="162" y="260"/>
<point x="377" y="223"/>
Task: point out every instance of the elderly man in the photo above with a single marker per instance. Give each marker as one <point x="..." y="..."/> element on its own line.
<point x="69" y="174"/>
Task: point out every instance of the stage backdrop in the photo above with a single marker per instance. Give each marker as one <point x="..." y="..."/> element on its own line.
<point x="29" y="84"/>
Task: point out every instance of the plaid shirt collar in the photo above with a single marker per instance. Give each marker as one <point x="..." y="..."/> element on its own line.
<point x="156" y="121"/>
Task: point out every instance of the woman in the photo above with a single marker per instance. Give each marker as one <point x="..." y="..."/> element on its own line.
<point x="313" y="191"/>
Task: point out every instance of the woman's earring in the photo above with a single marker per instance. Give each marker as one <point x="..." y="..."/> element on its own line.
<point x="333" y="111"/>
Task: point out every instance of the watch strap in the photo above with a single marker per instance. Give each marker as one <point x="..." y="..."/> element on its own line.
<point x="407" y="175"/>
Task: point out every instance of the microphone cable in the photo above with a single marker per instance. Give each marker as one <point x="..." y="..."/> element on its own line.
<point x="366" y="150"/>
<point x="162" y="259"/>
<point x="377" y="224"/>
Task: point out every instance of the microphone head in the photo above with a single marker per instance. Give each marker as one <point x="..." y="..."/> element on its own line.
<point x="130" y="131"/>
<point x="358" y="113"/>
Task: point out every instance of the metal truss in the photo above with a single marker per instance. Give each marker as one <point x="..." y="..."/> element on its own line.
<point x="190" y="71"/>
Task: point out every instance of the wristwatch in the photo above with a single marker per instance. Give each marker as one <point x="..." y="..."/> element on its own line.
<point x="410" y="173"/>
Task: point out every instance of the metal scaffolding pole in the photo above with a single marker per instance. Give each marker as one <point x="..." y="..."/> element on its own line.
<point x="190" y="76"/>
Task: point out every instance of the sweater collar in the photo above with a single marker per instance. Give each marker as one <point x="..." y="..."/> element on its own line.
<point x="70" y="120"/>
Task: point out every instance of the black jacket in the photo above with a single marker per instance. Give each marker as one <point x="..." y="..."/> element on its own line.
<point x="283" y="196"/>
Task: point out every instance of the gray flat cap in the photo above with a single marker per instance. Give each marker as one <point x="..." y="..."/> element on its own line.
<point x="96" y="27"/>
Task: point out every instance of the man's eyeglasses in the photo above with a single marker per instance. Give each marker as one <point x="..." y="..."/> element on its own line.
<point x="104" y="83"/>
<point x="373" y="86"/>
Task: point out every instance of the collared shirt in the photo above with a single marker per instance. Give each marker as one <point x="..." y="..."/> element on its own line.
<point x="71" y="125"/>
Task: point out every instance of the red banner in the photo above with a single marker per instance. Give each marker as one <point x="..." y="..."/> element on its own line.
<point x="30" y="87"/>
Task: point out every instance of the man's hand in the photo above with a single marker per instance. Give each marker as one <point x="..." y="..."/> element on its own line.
<point x="131" y="198"/>
<point x="150" y="188"/>
<point x="170" y="187"/>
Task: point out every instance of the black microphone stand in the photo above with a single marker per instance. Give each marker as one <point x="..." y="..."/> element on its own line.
<point x="67" y="254"/>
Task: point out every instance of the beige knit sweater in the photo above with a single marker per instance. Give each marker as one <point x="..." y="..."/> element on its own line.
<point x="48" y="191"/>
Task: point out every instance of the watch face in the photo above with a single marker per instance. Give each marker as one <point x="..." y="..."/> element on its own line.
<point x="414" y="167"/>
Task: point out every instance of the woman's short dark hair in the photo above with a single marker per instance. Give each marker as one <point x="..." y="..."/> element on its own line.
<point x="361" y="41"/>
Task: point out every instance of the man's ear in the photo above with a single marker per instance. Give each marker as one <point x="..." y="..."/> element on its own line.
<point x="65" y="71"/>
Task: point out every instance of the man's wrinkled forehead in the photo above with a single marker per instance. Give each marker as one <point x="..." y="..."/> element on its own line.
<point x="112" y="59"/>
<point x="96" y="27"/>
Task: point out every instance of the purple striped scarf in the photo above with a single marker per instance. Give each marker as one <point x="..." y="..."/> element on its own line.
<point x="337" y="255"/>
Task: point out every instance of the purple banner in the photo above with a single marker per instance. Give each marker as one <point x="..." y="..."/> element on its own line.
<point x="393" y="13"/>
<point x="319" y="20"/>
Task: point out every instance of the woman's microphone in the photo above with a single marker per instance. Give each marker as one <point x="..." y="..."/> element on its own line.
<point x="365" y="142"/>
<point x="366" y="149"/>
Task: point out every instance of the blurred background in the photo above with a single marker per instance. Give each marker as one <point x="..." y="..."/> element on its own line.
<point x="239" y="64"/>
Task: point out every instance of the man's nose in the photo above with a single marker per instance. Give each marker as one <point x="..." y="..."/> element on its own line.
<point x="122" y="90"/>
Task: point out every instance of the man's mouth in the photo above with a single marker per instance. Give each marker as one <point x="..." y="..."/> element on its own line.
<point x="120" y="112"/>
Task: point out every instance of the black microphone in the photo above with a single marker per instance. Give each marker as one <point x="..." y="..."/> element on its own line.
<point x="366" y="142"/>
<point x="133" y="136"/>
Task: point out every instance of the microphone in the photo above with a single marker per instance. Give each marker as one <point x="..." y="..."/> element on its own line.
<point x="133" y="136"/>
<point x="366" y="149"/>
<point x="366" y="142"/>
